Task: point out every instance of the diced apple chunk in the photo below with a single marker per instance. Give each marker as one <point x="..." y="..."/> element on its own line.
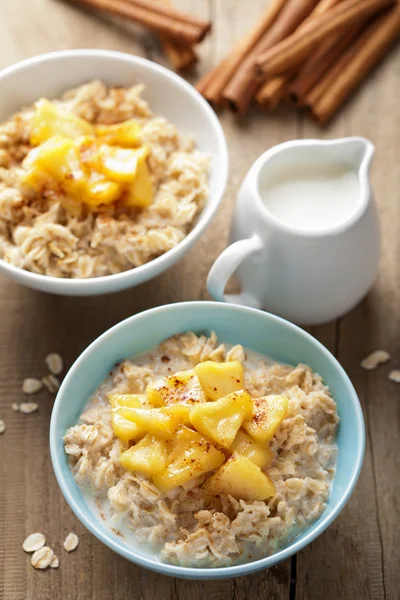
<point x="242" y="479"/>
<point x="220" y="379"/>
<point x="220" y="420"/>
<point x="191" y="455"/>
<point x="119" y="164"/>
<point x="140" y="192"/>
<point x="161" y="422"/>
<point x="183" y="387"/>
<point x="147" y="456"/>
<point x="49" y="120"/>
<point x="268" y="414"/>
<point x="125" y="134"/>
<point x="127" y="400"/>
<point x="260" y="454"/>
<point x="125" y="430"/>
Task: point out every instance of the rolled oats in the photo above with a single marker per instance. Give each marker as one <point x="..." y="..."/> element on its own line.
<point x="41" y="559"/>
<point x="2" y="426"/>
<point x="28" y="407"/>
<point x="395" y="375"/>
<point x="374" y="359"/>
<point x="189" y="529"/>
<point x="34" y="542"/>
<point x="54" y="363"/>
<point x="31" y="385"/>
<point x="51" y="382"/>
<point x="55" y="563"/>
<point x="71" y="542"/>
<point x="15" y="406"/>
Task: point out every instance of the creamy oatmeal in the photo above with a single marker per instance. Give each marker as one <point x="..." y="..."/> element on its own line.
<point x="94" y="184"/>
<point x="209" y="454"/>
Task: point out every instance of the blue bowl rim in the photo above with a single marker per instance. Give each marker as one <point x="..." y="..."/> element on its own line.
<point x="211" y="572"/>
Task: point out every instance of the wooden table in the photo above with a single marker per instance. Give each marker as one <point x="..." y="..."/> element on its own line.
<point x="358" y="557"/>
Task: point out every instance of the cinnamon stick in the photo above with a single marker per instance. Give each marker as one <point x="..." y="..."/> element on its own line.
<point x="356" y="64"/>
<point x="213" y="82"/>
<point x="273" y="90"/>
<point x="318" y="64"/>
<point x="178" y="26"/>
<point x="241" y="88"/>
<point x="292" y="50"/>
<point x="180" y="57"/>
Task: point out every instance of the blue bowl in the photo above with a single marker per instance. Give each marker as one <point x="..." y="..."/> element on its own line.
<point x="233" y="324"/>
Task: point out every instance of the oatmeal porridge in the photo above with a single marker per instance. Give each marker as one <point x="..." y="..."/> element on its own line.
<point x="209" y="454"/>
<point x="94" y="184"/>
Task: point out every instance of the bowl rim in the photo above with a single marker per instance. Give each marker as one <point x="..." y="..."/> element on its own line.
<point x="159" y="263"/>
<point x="209" y="573"/>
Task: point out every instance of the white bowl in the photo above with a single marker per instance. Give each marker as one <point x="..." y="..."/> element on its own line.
<point x="49" y="75"/>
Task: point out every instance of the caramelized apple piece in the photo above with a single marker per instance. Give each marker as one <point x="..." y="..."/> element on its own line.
<point x="183" y="387"/>
<point x="57" y="158"/>
<point x="161" y="422"/>
<point x="120" y="164"/>
<point x="220" y="379"/>
<point x="220" y="420"/>
<point x="49" y="120"/>
<point x="191" y="455"/>
<point x="99" y="191"/>
<point x="125" y="134"/>
<point x="140" y="192"/>
<point x="125" y="430"/>
<point x="268" y="414"/>
<point x="260" y="454"/>
<point x="147" y="456"/>
<point x="242" y="479"/>
<point x="127" y="400"/>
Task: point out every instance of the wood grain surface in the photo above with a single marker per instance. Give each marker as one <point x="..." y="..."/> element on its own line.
<point x="358" y="557"/>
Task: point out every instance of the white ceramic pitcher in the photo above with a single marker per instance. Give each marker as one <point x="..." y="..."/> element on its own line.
<point x="308" y="277"/>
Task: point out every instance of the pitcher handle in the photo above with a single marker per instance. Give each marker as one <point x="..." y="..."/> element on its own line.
<point x="224" y="267"/>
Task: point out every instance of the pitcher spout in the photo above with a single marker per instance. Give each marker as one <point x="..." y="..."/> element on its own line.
<point x="359" y="152"/>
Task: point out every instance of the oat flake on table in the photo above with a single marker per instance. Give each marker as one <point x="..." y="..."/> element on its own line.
<point x="28" y="407"/>
<point x="54" y="363"/>
<point x="2" y="426"/>
<point x="71" y="542"/>
<point x="31" y="385"/>
<point x="55" y="563"/>
<point x="15" y="406"/>
<point x="41" y="559"/>
<point x="395" y="375"/>
<point x="34" y="542"/>
<point x="374" y="359"/>
<point x="51" y="382"/>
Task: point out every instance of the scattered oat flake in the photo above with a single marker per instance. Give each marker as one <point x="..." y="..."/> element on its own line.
<point x="395" y="375"/>
<point x="28" y="407"/>
<point x="55" y="563"/>
<point x="15" y="406"/>
<point x="31" y="385"/>
<point x="34" y="542"/>
<point x="41" y="559"/>
<point x="51" y="382"/>
<point x="71" y="542"/>
<point x="2" y="426"/>
<point x="54" y="363"/>
<point x="374" y="359"/>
